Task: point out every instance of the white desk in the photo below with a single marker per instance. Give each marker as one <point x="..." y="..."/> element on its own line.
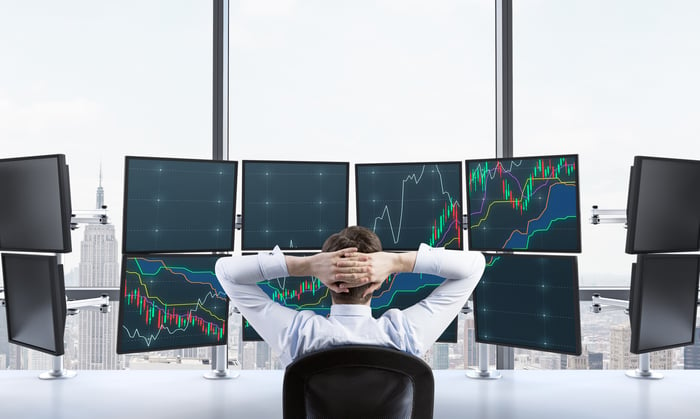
<point x="258" y="394"/>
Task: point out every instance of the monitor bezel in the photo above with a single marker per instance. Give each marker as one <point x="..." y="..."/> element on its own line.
<point x="245" y="163"/>
<point x="578" y="204"/>
<point x="575" y="300"/>
<point x="56" y="283"/>
<point x="632" y="210"/>
<point x="636" y="297"/>
<point x="427" y="163"/>
<point x="164" y="250"/>
<point x="122" y="288"/>
<point x="66" y="210"/>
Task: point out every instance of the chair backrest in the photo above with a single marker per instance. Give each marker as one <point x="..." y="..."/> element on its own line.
<point x="358" y="382"/>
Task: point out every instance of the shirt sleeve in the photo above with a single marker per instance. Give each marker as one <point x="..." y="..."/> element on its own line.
<point x="239" y="276"/>
<point x="462" y="271"/>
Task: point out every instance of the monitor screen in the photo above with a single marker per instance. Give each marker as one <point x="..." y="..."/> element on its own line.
<point x="663" y="212"/>
<point x="179" y="205"/>
<point x="529" y="301"/>
<point x="299" y="293"/>
<point x="407" y="204"/>
<point x="308" y="293"/>
<point x="663" y="302"/>
<point x="293" y="205"/>
<point x="35" y="301"/>
<point x="170" y="302"/>
<point x="524" y="204"/>
<point x="35" y="205"/>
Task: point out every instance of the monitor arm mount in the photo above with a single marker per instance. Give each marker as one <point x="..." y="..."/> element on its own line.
<point x="608" y="216"/>
<point x="96" y="216"/>
<point x="613" y="216"/>
<point x="100" y="304"/>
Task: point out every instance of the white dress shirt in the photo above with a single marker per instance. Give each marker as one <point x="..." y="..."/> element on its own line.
<point x="291" y="333"/>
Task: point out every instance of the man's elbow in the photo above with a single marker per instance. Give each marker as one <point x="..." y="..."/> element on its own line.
<point x="220" y="270"/>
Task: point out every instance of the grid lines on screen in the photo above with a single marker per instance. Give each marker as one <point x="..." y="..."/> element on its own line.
<point x="178" y="205"/>
<point x="529" y="301"/>
<point x="407" y="204"/>
<point x="293" y="205"/>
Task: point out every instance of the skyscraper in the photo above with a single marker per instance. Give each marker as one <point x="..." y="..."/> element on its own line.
<point x="691" y="353"/>
<point x="471" y="352"/>
<point x="98" y="267"/>
<point x="621" y="357"/>
<point x="441" y="356"/>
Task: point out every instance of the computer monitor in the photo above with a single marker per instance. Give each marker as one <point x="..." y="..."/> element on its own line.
<point x="407" y="204"/>
<point x="663" y="302"/>
<point x="529" y="301"/>
<point x="298" y="293"/>
<point x="406" y="289"/>
<point x="308" y="293"/>
<point x="293" y="204"/>
<point x="35" y="301"/>
<point x="35" y="204"/>
<point x="170" y="302"/>
<point x="663" y="210"/>
<point x="524" y="204"/>
<point x="178" y="205"/>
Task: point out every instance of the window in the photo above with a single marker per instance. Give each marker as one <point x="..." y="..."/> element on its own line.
<point x="363" y="82"/>
<point x="97" y="81"/>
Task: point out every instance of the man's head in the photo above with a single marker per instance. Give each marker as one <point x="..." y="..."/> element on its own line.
<point x="365" y="241"/>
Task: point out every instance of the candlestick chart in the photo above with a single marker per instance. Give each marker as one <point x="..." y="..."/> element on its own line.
<point x="524" y="204"/>
<point x="295" y="292"/>
<point x="406" y="204"/>
<point x="308" y="293"/>
<point x="170" y="302"/>
<point x="293" y="205"/>
<point x="529" y="301"/>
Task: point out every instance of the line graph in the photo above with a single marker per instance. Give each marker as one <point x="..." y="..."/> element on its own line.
<point x="406" y="204"/>
<point x="525" y="204"/>
<point x="298" y="293"/>
<point x="308" y="293"/>
<point x="295" y="205"/>
<point x="170" y="302"/>
<point x="529" y="301"/>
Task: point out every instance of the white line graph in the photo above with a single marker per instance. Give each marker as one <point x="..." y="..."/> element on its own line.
<point x="396" y="230"/>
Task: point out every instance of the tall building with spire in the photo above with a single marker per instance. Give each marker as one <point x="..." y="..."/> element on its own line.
<point x="99" y="267"/>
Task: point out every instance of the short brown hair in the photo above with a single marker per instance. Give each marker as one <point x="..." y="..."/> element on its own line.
<point x="366" y="241"/>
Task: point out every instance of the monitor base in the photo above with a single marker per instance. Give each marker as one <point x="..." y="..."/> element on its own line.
<point x="222" y="375"/>
<point x="644" y="375"/>
<point x="483" y="375"/>
<point x="57" y="375"/>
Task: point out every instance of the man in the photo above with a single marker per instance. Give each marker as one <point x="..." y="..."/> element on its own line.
<point x="352" y="265"/>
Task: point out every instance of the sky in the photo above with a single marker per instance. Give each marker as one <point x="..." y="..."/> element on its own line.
<point x="361" y="81"/>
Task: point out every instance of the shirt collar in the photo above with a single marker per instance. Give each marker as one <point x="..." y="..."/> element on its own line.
<point x="351" y="310"/>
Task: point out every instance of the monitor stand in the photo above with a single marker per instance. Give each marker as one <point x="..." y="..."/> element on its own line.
<point x="219" y="370"/>
<point x="483" y="372"/>
<point x="57" y="372"/>
<point x="643" y="372"/>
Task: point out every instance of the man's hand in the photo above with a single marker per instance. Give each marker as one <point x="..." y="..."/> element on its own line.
<point x="326" y="267"/>
<point x="378" y="266"/>
<point x="347" y="268"/>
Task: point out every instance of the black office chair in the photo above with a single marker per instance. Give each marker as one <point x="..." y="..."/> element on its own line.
<point x="358" y="382"/>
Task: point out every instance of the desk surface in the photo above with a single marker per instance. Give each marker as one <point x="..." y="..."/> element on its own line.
<point x="257" y="394"/>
